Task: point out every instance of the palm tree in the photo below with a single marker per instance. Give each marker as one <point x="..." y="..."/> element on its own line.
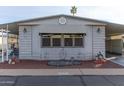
<point x="73" y="10"/>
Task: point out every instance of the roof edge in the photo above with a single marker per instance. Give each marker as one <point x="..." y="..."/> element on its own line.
<point x="45" y="17"/>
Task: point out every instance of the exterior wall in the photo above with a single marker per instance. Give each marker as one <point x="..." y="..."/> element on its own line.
<point x="25" y="42"/>
<point x="30" y="42"/>
<point x="60" y="53"/>
<point x="98" y="40"/>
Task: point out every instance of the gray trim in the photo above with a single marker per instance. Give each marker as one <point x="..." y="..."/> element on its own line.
<point x="46" y="17"/>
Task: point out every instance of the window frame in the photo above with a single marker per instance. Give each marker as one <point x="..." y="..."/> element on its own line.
<point x="42" y="42"/>
<point x="82" y="41"/>
<point x="53" y="43"/>
<point x="68" y="45"/>
<point x="62" y="40"/>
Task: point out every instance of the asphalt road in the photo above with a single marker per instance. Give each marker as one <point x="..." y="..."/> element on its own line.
<point x="84" y="80"/>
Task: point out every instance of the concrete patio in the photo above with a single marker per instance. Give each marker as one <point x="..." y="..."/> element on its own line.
<point x="119" y="60"/>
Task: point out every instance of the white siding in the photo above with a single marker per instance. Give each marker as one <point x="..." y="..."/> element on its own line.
<point x="98" y="40"/>
<point x="25" y="42"/>
<point x="30" y="42"/>
<point x="58" y="53"/>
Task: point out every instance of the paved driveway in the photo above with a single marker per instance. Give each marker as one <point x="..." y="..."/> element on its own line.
<point x="85" y="80"/>
<point x="119" y="60"/>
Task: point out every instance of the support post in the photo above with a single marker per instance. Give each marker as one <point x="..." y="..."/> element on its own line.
<point x="7" y="44"/>
<point x="2" y="46"/>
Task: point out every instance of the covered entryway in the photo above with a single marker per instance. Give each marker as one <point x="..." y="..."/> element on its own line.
<point x="9" y="41"/>
<point x="115" y="39"/>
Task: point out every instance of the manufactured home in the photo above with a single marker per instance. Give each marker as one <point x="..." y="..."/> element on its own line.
<point x="59" y="37"/>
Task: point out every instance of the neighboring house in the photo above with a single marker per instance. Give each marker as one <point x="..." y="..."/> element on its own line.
<point x="115" y="38"/>
<point x="60" y="37"/>
<point x="115" y="44"/>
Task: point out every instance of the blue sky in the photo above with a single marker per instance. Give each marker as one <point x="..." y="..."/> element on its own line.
<point x="15" y="13"/>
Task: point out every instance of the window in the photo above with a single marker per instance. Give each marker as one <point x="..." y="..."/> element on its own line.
<point x="50" y="40"/>
<point x="78" y="42"/>
<point x="68" y="42"/>
<point x="46" y="42"/>
<point x="56" y="41"/>
<point x="62" y="40"/>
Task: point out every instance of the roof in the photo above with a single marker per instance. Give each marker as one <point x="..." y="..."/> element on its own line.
<point x="46" y="17"/>
<point x="13" y="26"/>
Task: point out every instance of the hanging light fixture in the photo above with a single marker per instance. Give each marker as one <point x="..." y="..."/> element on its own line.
<point x="25" y="30"/>
<point x="98" y="30"/>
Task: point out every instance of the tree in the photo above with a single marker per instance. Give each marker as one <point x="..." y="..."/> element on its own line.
<point x="73" y="10"/>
